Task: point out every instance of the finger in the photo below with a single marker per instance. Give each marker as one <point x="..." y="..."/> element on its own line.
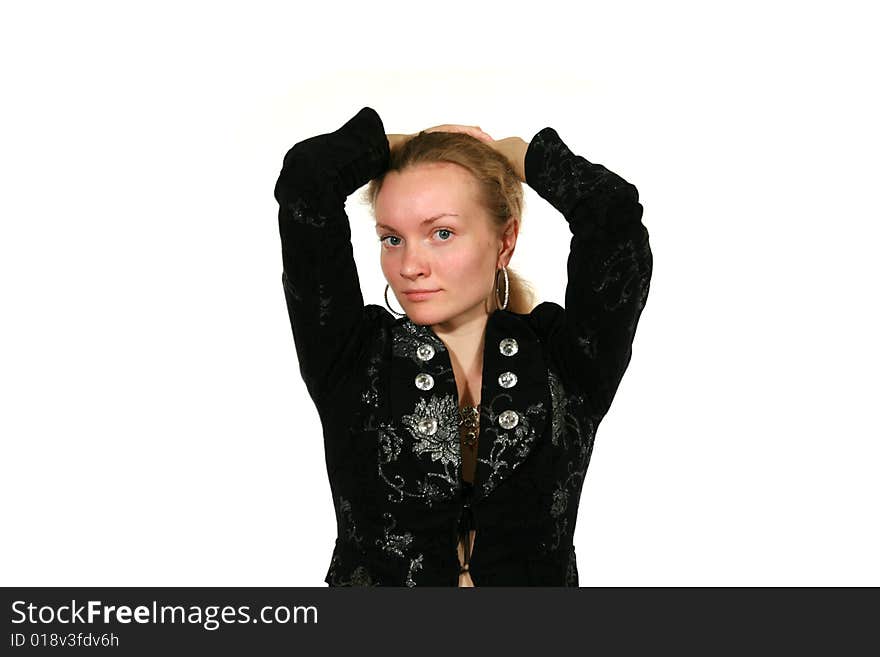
<point x="483" y="134"/>
<point x="473" y="130"/>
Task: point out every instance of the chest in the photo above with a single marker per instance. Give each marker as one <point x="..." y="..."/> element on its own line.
<point x="469" y="387"/>
<point x="427" y="388"/>
<point x="405" y="453"/>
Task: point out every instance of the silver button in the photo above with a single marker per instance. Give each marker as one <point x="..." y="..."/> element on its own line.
<point x="507" y="380"/>
<point x="424" y="381"/>
<point x="428" y="426"/>
<point x="508" y="346"/>
<point x="425" y="352"/>
<point x="508" y="419"/>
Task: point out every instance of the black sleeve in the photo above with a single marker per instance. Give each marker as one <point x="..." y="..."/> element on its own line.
<point x="609" y="266"/>
<point x="319" y="276"/>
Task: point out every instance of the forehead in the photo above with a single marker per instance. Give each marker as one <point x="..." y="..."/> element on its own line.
<point x="407" y="197"/>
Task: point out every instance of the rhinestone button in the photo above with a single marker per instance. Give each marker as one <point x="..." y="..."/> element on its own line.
<point x="424" y="381"/>
<point x="508" y="346"/>
<point x="428" y="426"/>
<point x="508" y="419"/>
<point x="507" y="380"/>
<point x="425" y="352"/>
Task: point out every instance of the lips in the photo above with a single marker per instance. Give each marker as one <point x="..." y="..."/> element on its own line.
<point x="418" y="295"/>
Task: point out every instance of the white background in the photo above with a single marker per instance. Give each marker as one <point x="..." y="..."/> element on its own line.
<point x="155" y="429"/>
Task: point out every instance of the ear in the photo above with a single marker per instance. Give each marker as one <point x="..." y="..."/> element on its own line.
<point x="509" y="235"/>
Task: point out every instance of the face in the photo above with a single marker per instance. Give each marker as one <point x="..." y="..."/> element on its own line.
<point x="436" y="238"/>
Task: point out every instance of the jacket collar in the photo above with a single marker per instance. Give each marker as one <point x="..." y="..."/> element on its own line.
<point x="424" y="403"/>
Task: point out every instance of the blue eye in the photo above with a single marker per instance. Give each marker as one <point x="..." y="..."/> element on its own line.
<point x="384" y="239"/>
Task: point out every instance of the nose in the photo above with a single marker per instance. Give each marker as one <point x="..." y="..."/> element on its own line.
<point x="413" y="264"/>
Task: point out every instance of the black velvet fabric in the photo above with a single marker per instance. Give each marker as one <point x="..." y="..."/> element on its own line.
<point x="397" y="490"/>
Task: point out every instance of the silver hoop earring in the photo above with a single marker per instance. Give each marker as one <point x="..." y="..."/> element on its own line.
<point x="502" y="306"/>
<point x="388" y="305"/>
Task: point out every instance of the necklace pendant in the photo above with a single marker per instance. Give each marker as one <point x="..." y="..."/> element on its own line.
<point x="469" y="422"/>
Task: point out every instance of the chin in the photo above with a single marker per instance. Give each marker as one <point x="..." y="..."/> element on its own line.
<point x="425" y="316"/>
<point x="428" y="314"/>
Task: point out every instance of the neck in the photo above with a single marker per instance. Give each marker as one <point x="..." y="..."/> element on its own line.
<point x="464" y="336"/>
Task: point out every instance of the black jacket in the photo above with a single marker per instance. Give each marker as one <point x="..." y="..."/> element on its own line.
<point x="392" y="446"/>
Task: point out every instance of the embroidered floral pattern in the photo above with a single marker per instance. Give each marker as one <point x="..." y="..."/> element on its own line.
<point x="347" y="527"/>
<point x="389" y="444"/>
<point x="370" y="396"/>
<point x="419" y="452"/>
<point x="409" y="336"/>
<point x="360" y="576"/>
<point x="569" y="420"/>
<point x="395" y="544"/>
<point x="303" y="213"/>
<point x="624" y="269"/>
<point x="414" y="566"/>
<point x="559" y="408"/>
<point x="573" y="433"/>
<point x="444" y="444"/>
<point x="560" y="502"/>
<point x="509" y="446"/>
<point x="565" y="178"/>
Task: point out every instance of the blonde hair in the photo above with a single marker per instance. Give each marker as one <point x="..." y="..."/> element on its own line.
<point x="500" y="191"/>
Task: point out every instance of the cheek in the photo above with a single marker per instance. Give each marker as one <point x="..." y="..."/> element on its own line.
<point x="385" y="263"/>
<point x="467" y="263"/>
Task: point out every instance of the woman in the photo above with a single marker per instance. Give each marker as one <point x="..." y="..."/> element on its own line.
<point x="458" y="430"/>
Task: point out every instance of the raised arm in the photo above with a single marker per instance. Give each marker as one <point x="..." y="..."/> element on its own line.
<point x="609" y="265"/>
<point x="320" y="279"/>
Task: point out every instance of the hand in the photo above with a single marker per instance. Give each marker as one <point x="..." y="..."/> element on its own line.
<point x="473" y="130"/>
<point x="512" y="148"/>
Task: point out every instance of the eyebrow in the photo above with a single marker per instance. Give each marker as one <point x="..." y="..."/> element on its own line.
<point x="423" y="222"/>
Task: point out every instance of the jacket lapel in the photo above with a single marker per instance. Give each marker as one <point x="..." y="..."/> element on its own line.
<point x="420" y="450"/>
<point x="514" y="402"/>
<point x="420" y="453"/>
